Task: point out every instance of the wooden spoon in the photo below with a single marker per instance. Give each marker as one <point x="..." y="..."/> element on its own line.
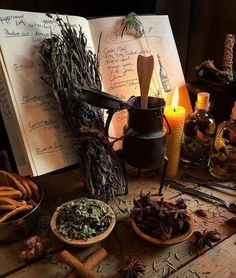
<point x="145" y="67"/>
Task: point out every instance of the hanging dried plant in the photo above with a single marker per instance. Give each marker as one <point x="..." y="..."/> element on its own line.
<point x="71" y="66"/>
<point x="131" y="23"/>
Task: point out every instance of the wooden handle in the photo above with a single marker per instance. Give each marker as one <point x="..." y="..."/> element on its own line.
<point x="92" y="261"/>
<point x="145" y="67"/>
<point x="71" y="261"/>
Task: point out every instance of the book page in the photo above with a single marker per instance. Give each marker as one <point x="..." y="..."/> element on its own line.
<point x="45" y="136"/>
<point x="8" y="114"/>
<point x="118" y="61"/>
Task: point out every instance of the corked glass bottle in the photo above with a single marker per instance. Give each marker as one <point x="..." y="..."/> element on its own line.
<point x="198" y="135"/>
<point x="223" y="154"/>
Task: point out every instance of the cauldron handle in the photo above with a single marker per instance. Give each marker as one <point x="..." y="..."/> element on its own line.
<point x="168" y="125"/>
<point x="110" y="113"/>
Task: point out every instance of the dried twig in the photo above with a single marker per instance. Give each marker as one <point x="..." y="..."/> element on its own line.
<point x="228" y="55"/>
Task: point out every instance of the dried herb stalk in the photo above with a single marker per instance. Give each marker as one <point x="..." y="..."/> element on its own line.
<point x="71" y="66"/>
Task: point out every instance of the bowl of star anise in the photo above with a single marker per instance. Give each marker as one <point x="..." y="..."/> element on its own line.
<point x="161" y="222"/>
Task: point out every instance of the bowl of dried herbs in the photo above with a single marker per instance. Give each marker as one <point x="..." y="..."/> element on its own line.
<point x="83" y="222"/>
<point x="161" y="222"/>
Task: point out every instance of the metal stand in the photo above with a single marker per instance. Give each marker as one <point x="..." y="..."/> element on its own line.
<point x="165" y="158"/>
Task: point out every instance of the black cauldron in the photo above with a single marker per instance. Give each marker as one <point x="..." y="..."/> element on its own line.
<point x="144" y="140"/>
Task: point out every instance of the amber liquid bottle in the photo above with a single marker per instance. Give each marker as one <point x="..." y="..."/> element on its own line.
<point x="198" y="135"/>
<point x="223" y="154"/>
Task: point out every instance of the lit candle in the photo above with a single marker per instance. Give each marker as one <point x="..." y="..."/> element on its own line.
<point x="175" y="116"/>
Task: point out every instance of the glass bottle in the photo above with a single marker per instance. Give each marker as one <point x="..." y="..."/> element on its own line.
<point x="223" y="154"/>
<point x="198" y="134"/>
<point x="163" y="76"/>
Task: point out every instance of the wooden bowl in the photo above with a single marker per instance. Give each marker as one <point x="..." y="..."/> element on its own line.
<point x="165" y="242"/>
<point x="90" y="241"/>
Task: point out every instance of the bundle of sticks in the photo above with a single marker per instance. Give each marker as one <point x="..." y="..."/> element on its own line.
<point x="18" y="195"/>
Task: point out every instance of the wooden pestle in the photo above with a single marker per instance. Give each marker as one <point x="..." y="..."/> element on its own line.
<point x="90" y="263"/>
<point x="145" y="67"/>
<point x="72" y="262"/>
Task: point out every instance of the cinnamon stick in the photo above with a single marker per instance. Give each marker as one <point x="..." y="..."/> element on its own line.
<point x="71" y="261"/>
<point x="92" y="261"/>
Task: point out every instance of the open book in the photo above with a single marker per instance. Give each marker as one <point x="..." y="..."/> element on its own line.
<point x="38" y="134"/>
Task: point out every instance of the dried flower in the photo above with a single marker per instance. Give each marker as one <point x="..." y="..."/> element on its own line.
<point x="133" y="267"/>
<point x="206" y="238"/>
<point x="34" y="248"/>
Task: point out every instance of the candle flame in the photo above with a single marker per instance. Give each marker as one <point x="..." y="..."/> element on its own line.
<point x="175" y="99"/>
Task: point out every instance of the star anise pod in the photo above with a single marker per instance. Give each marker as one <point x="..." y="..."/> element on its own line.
<point x="180" y="203"/>
<point x="134" y="267"/>
<point x="206" y="238"/>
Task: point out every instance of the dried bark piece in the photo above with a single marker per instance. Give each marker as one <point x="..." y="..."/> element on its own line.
<point x="228" y="55"/>
<point x="14" y="212"/>
<point x="7" y="201"/>
<point x="8" y="178"/>
<point x="15" y="194"/>
<point x="34" y="188"/>
<point x="25" y="184"/>
<point x="7" y="207"/>
<point x="5" y="188"/>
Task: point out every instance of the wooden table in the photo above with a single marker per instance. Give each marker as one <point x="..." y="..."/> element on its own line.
<point x="123" y="242"/>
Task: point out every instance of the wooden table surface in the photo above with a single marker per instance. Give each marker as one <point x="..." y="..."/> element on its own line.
<point x="123" y="242"/>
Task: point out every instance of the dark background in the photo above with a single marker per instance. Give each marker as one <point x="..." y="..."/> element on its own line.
<point x="199" y="26"/>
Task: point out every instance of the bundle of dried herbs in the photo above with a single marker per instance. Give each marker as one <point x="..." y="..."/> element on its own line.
<point x="83" y="218"/>
<point x="70" y="66"/>
<point x="159" y="219"/>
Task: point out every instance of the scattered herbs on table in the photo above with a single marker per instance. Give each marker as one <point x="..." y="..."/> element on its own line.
<point x="83" y="218"/>
<point x="205" y="239"/>
<point x="159" y="219"/>
<point x="133" y="267"/>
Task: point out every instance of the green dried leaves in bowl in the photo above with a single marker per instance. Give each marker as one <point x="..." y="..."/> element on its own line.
<point x="83" y="219"/>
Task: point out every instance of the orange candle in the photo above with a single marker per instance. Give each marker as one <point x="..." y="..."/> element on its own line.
<point x="175" y="116"/>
